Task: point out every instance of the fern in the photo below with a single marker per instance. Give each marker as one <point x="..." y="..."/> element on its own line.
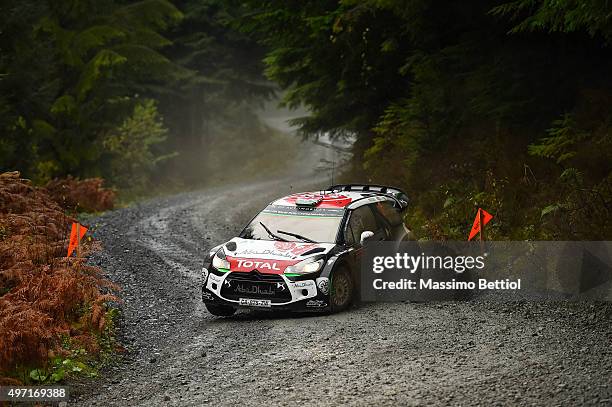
<point x="562" y="141"/>
<point x="559" y="16"/>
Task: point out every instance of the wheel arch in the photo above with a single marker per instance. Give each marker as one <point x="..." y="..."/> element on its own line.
<point x="343" y="260"/>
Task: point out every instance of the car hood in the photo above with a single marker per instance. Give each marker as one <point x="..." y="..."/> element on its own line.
<point x="269" y="256"/>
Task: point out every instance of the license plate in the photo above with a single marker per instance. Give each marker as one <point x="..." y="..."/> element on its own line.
<point x="251" y="302"/>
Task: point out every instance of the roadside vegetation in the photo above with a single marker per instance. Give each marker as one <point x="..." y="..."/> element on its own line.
<point x="54" y="315"/>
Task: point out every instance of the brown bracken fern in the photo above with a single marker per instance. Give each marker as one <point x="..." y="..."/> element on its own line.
<point x="86" y="195"/>
<point x="44" y="296"/>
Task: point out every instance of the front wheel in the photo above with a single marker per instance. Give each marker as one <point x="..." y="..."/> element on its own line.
<point x="221" y="310"/>
<point x="341" y="289"/>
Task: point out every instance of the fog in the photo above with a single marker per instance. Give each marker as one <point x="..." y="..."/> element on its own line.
<point x="256" y="144"/>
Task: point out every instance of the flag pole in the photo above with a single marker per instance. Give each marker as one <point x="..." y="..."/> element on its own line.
<point x="482" y="231"/>
<point x="78" y="233"/>
<point x="482" y="226"/>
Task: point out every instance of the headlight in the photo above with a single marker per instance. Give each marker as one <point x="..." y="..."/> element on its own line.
<point x="305" y="267"/>
<point x="220" y="262"/>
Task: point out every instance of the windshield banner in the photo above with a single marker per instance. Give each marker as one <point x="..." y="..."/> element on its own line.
<point x="295" y="211"/>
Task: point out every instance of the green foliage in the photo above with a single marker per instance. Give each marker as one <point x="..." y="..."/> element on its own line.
<point x="451" y="98"/>
<point x="133" y="146"/>
<point x="78" y="363"/>
<point x="559" y="16"/>
<point x="71" y="73"/>
<point x="99" y="66"/>
<point x="38" y="375"/>
<point x="582" y="208"/>
<point x="582" y="211"/>
<point x="562" y="142"/>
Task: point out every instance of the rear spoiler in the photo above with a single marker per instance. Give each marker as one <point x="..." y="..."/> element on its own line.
<point x="400" y="197"/>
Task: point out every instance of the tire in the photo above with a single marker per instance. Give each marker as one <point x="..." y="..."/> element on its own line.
<point x="342" y="289"/>
<point x="221" y="310"/>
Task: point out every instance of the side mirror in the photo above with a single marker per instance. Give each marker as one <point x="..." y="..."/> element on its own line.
<point x="365" y="235"/>
<point x="403" y="200"/>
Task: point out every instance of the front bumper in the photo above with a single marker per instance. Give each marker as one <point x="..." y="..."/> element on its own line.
<point x="277" y="292"/>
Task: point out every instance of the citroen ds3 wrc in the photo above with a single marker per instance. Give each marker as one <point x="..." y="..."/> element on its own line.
<point x="303" y="252"/>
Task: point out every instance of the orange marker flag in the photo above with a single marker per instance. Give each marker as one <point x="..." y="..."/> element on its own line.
<point x="486" y="218"/>
<point x="74" y="241"/>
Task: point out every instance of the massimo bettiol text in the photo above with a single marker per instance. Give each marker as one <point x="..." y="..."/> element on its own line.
<point x="458" y="264"/>
<point x="493" y="270"/>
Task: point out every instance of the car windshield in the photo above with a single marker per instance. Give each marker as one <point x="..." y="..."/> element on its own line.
<point x="319" y="224"/>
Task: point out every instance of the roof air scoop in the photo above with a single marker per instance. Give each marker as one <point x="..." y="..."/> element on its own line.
<point x="308" y="203"/>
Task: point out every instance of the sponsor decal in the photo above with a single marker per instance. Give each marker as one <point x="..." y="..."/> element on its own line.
<point x="257" y="265"/>
<point x="207" y="296"/>
<point x="294" y="248"/>
<point x="284" y="250"/>
<point x="323" y="284"/>
<point x="301" y="284"/>
<point x="318" y="211"/>
<point x="254" y="289"/>
<point x="265" y="266"/>
<point x="265" y="252"/>
<point x="316" y="304"/>
<point x="284" y="246"/>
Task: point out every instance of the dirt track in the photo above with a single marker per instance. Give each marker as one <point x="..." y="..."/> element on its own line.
<point x="377" y="354"/>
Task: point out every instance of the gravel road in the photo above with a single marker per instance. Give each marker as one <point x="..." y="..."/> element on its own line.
<point x="452" y="353"/>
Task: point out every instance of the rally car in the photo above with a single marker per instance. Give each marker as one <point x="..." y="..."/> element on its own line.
<point x="302" y="252"/>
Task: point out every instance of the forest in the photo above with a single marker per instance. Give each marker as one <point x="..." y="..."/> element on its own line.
<point x="503" y="105"/>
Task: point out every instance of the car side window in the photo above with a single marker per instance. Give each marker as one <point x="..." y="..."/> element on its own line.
<point x="389" y="213"/>
<point x="349" y="238"/>
<point x="361" y="219"/>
